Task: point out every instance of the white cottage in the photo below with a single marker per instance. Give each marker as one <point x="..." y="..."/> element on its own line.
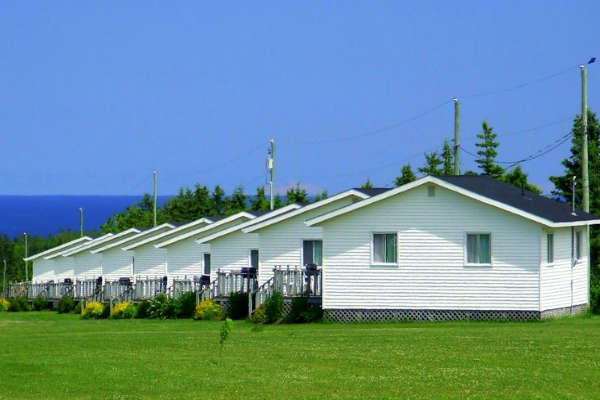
<point x="285" y="240"/>
<point x="64" y="267"/>
<point x="87" y="264"/>
<point x="454" y="247"/>
<point x="118" y="263"/>
<point x="150" y="261"/>
<point x="43" y="268"/>
<point x="187" y="258"/>
<point x="231" y="249"/>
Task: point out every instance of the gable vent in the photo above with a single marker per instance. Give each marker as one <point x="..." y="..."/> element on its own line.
<point x="431" y="191"/>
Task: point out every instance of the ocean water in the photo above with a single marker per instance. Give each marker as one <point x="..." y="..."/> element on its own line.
<point x="43" y="215"/>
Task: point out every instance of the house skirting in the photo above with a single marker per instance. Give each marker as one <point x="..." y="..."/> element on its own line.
<point x="367" y="315"/>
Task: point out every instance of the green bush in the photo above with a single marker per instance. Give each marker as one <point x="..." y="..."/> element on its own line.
<point x="238" y="306"/>
<point x="40" y="303"/>
<point x="142" y="309"/>
<point x="124" y="310"/>
<point x="4" y="304"/>
<point x="66" y="305"/>
<point x="94" y="310"/>
<point x="208" y="310"/>
<point x="274" y="307"/>
<point x="186" y="305"/>
<point x="19" y="303"/>
<point x="77" y="308"/>
<point x="162" y="307"/>
<point x="595" y="295"/>
<point x="303" y="311"/>
<point x="259" y="316"/>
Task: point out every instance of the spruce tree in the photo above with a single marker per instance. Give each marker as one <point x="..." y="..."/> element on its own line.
<point x="487" y="152"/>
<point x="367" y="184"/>
<point x="448" y="158"/>
<point x="260" y="202"/>
<point x="432" y="164"/>
<point x="407" y="176"/>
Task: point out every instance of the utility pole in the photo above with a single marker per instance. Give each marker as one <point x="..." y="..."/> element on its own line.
<point x="456" y="136"/>
<point x="81" y="221"/>
<point x="584" y="142"/>
<point x="272" y="170"/>
<point x="155" y="195"/>
<point x="26" y="272"/>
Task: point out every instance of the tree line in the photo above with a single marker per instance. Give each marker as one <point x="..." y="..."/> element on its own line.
<point x="193" y="203"/>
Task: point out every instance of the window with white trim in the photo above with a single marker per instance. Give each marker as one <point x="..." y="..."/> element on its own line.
<point x="384" y="248"/>
<point x="549" y="248"/>
<point x="312" y="252"/>
<point x="479" y="248"/>
<point x="578" y="245"/>
<point x="206" y="263"/>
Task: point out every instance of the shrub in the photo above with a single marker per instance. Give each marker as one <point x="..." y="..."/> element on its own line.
<point x="19" y="303"/>
<point x="142" y="309"/>
<point x="94" y="310"/>
<point x="259" y="316"/>
<point x="162" y="307"/>
<point x="274" y="307"/>
<point x="40" y="303"/>
<point x="77" y="309"/>
<point x="208" y="310"/>
<point x="186" y="305"/>
<point x="238" y="306"/>
<point x="125" y="310"/>
<point x="303" y="311"/>
<point x="66" y="305"/>
<point x="4" y="305"/>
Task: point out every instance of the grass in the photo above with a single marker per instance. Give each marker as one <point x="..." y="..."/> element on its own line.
<point x="51" y="356"/>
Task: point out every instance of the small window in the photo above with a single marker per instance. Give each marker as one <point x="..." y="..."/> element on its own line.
<point x="254" y="259"/>
<point x="312" y="252"/>
<point x="384" y="248"/>
<point x="206" y="263"/>
<point x="479" y="249"/>
<point x="549" y="248"/>
<point x="578" y="245"/>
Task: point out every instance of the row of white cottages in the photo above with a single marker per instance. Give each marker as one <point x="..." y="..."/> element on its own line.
<point x="439" y="247"/>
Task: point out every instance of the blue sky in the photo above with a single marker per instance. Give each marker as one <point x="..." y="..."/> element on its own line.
<point x="96" y="95"/>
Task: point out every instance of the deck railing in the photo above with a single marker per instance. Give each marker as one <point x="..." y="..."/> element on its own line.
<point x="149" y="287"/>
<point x="295" y="281"/>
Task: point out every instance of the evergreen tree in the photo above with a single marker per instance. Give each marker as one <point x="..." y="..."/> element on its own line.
<point x="432" y="164"/>
<point x="407" y="176"/>
<point x="296" y="194"/>
<point x="260" y="202"/>
<point x="321" y="196"/>
<point x="519" y="178"/>
<point x="217" y="201"/>
<point x="488" y="153"/>
<point x="277" y="202"/>
<point x="238" y="201"/>
<point x="138" y="215"/>
<point x="367" y="184"/>
<point x="448" y="157"/>
<point x="562" y="189"/>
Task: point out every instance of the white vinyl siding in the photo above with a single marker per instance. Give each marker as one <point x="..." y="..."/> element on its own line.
<point x="232" y="252"/>
<point x="185" y="259"/>
<point x="43" y="270"/>
<point x="64" y="267"/>
<point x="555" y="280"/>
<point x="150" y="261"/>
<point x="87" y="265"/>
<point x="281" y="243"/>
<point x="117" y="263"/>
<point x="431" y="256"/>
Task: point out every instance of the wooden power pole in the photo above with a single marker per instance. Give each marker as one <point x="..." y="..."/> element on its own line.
<point x="456" y="137"/>
<point x="584" y="142"/>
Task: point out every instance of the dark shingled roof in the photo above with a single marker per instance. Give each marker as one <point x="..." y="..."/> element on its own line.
<point x="524" y="200"/>
<point x="372" y="191"/>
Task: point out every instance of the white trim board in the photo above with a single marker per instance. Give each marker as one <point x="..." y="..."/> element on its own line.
<point x="302" y="210"/>
<point x="58" y="248"/>
<point x="132" y="239"/>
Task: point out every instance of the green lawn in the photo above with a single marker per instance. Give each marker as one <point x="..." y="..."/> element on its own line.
<point x="50" y="356"/>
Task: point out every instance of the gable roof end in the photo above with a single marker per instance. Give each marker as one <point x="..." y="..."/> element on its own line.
<point x="490" y="191"/>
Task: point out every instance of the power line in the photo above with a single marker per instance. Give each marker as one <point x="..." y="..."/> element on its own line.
<point x="378" y="130"/>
